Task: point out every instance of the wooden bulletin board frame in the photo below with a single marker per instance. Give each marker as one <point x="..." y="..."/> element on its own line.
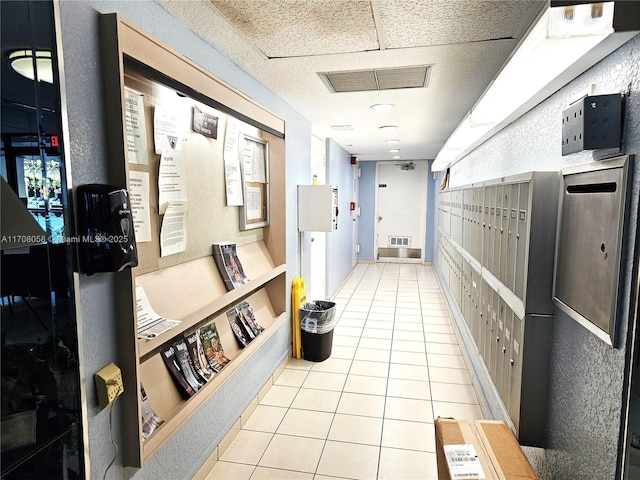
<point x="254" y="212"/>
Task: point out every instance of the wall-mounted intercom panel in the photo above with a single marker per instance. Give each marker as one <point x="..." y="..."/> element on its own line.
<point x="317" y="208"/>
<point x="106" y="241"/>
<point x="589" y="246"/>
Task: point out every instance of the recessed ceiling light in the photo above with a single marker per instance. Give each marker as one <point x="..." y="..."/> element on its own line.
<point x="396" y="157"/>
<point x="382" y="107"/>
<point x="388" y="128"/>
<point x="392" y="140"/>
<point x="394" y="150"/>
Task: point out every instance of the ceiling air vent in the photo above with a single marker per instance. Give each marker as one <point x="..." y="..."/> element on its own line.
<point x="377" y="79"/>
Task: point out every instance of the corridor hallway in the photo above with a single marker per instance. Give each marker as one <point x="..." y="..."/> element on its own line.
<point x="367" y="412"/>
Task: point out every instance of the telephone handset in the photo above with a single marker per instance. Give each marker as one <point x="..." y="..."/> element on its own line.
<point x="106" y="239"/>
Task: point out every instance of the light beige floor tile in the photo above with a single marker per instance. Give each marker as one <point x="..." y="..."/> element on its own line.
<point x="264" y="473"/>
<point x="265" y="418"/>
<point x="450" y="392"/>
<point x="352" y="322"/>
<point x="292" y="453"/>
<point x="441" y="338"/>
<point x="360" y="404"/>
<point x="368" y="385"/>
<point x="291" y="377"/>
<point x="408" y="435"/>
<point x="347" y="331"/>
<point x="378" y="324"/>
<point x="349" y="460"/>
<point x="409" y="358"/>
<point x="345" y="341"/>
<point x="457" y="410"/>
<point x="407" y="326"/>
<point x="445" y="361"/>
<point x="306" y="423"/>
<point x="247" y="447"/>
<point x="449" y="375"/>
<point x="408" y="345"/>
<point x="354" y="308"/>
<point x="376" y="343"/>
<point x="322" y="401"/>
<point x="406" y="464"/>
<point x="299" y="364"/>
<point x="371" y="355"/>
<point x="435" y="318"/>
<point x="332" y="365"/>
<point x="378" y="316"/>
<point x="338" y="351"/>
<point x="409" y="336"/>
<point x="409" y="372"/>
<point x="325" y="381"/>
<point x="435" y="328"/>
<point x="230" y="471"/>
<point x="408" y="409"/>
<point x="442" y="348"/>
<point x="279" y="396"/>
<point x="377" y="333"/>
<point x="356" y="429"/>
<point x="370" y="369"/>
<point x="408" y="389"/>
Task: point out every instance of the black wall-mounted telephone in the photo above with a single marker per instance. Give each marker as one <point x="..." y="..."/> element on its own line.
<point x="106" y="241"/>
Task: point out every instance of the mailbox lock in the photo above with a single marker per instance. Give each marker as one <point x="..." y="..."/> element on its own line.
<point x="497" y="339"/>
<point x="504" y="350"/>
<point x="511" y="362"/>
<point x="501" y="229"/>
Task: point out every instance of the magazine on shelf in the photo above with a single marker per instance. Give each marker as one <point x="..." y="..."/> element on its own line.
<point x="212" y="347"/>
<point x="150" y="420"/>
<point x="250" y="318"/>
<point x="240" y="330"/>
<point x="186" y="364"/>
<point x="228" y="263"/>
<point x="169" y="356"/>
<point x="202" y="368"/>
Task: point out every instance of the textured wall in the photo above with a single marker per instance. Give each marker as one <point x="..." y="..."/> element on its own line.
<point x="586" y="384"/>
<point x="87" y="162"/>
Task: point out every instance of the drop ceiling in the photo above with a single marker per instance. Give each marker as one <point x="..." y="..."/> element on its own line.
<point x="288" y="45"/>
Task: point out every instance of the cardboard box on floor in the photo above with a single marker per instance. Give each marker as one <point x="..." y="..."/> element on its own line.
<point x="475" y="449"/>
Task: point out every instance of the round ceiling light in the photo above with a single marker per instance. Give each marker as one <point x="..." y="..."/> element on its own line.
<point x="22" y="62"/>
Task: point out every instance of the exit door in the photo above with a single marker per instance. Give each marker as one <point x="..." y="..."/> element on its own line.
<point x="401" y="206"/>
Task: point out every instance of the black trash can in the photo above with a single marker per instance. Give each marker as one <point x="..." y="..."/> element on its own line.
<point x="317" y="321"/>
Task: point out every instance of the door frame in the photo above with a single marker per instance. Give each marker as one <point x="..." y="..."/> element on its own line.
<point x="423" y="222"/>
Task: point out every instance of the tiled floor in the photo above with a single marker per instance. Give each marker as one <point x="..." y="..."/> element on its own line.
<point x="367" y="412"/>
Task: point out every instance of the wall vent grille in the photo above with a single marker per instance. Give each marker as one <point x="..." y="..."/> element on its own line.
<point x="395" y="241"/>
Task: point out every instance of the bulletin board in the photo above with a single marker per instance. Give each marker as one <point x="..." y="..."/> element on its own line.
<point x="187" y="174"/>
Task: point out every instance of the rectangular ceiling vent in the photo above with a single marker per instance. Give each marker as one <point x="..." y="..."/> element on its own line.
<point x="377" y="79"/>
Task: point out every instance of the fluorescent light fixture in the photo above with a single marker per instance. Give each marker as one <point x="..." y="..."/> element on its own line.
<point x="388" y="128"/>
<point x="396" y="157"/>
<point x="564" y="43"/>
<point x="382" y="107"/>
<point x="394" y="150"/>
<point x="392" y="141"/>
<point x="22" y="62"/>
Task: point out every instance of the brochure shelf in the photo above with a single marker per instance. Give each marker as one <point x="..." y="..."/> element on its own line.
<point x="187" y="285"/>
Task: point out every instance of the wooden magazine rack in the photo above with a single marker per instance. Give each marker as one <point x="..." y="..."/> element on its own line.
<point x="187" y="286"/>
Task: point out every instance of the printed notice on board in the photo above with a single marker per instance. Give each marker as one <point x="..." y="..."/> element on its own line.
<point x="165" y="130"/>
<point x="139" y="198"/>
<point x="172" y="179"/>
<point x="253" y="202"/>
<point x="232" y="173"/>
<point x="173" y="234"/>
<point x="150" y="324"/>
<point x="463" y="462"/>
<point x="136" y="127"/>
<point x="254" y="162"/>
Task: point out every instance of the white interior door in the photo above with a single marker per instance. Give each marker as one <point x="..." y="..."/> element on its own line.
<point x="401" y="211"/>
<point x="354" y="214"/>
